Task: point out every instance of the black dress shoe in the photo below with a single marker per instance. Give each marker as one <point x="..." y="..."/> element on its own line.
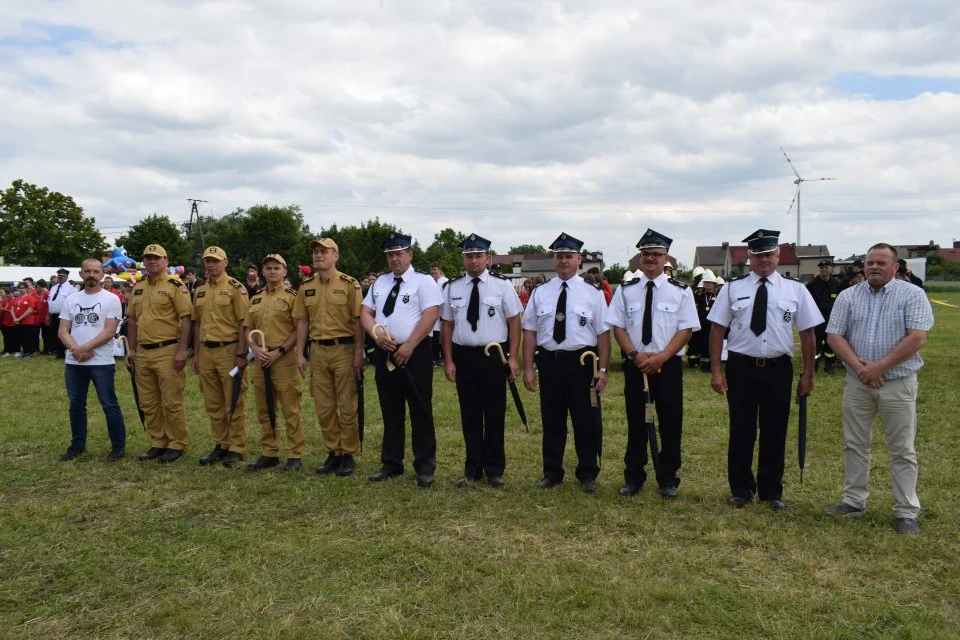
<point x="548" y="483"/>
<point x="496" y="482"/>
<point x="263" y="462"/>
<point x="293" y="464"/>
<point x="346" y="466"/>
<point x="230" y="457"/>
<point x="116" y="453"/>
<point x="151" y="454"/>
<point x="588" y="486"/>
<point x="329" y="465"/>
<point x="382" y="475"/>
<point x="630" y="489"/>
<point x="740" y="501"/>
<point x="425" y="480"/>
<point x="669" y="492"/>
<point x="170" y="455"/>
<point x="778" y="505"/>
<point x="214" y="456"/>
<point x="70" y="454"/>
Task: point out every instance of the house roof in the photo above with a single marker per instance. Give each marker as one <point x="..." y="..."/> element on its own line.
<point x="950" y="255"/>
<point x="710" y="255"/>
<point x="813" y="251"/>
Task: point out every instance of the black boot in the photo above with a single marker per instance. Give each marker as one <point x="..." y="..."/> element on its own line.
<point x="331" y="464"/>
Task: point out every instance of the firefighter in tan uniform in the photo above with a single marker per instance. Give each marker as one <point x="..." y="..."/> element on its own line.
<point x="219" y="345"/>
<point x="158" y="332"/>
<point x="327" y="313"/>
<point x="271" y="311"/>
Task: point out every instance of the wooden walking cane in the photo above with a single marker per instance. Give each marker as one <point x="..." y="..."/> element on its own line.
<point x="595" y="400"/>
<point x="133" y="380"/>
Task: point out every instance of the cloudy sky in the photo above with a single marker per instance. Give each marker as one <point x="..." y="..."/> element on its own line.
<point x="513" y="119"/>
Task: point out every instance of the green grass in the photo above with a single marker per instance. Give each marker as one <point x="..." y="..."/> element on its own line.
<point x="91" y="549"/>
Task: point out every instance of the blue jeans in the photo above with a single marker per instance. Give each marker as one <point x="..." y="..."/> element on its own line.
<point x="78" y="379"/>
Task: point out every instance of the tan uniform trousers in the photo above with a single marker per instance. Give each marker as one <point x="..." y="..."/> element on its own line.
<point x="287" y="393"/>
<point x="334" y="391"/>
<point x="217" y="387"/>
<point x="161" y="397"/>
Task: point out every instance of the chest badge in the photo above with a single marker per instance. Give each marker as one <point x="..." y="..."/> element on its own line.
<point x="491" y="312"/>
<point x="786" y="316"/>
<point x="406" y="298"/>
<point x="583" y="321"/>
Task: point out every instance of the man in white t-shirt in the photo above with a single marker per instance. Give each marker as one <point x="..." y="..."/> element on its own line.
<point x="88" y="324"/>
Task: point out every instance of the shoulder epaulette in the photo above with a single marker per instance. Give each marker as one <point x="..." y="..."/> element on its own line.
<point x="235" y="283"/>
<point x="500" y="276"/>
<point x="174" y="281"/>
<point x="735" y="278"/>
<point x="290" y="290"/>
<point x="595" y="285"/>
<point x="794" y="279"/>
<point x="677" y="283"/>
<point x="306" y="280"/>
<point x="422" y="272"/>
<point x="349" y="279"/>
<point x="630" y="282"/>
<point x="454" y="279"/>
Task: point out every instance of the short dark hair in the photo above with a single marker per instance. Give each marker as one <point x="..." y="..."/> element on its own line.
<point x="434" y="264"/>
<point x="883" y="245"/>
<point x="594" y="270"/>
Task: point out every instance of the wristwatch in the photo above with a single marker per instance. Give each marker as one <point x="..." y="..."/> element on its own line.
<point x="602" y="370"/>
<point x="281" y="349"/>
<point x="633" y="355"/>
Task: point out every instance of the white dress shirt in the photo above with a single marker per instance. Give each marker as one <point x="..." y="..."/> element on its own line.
<point x="585" y="316"/>
<point x="58" y="293"/>
<point x="440" y="282"/>
<point x="673" y="310"/>
<point x="789" y="304"/>
<point x="418" y="292"/>
<point x="498" y="302"/>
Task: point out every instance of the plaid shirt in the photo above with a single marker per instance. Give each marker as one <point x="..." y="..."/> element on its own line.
<point x="873" y="322"/>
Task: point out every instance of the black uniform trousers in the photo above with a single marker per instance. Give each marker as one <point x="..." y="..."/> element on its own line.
<point x="51" y="337"/>
<point x="758" y="389"/>
<point x="11" y="340"/>
<point x="28" y="338"/>
<point x="482" y="391"/>
<point x="820" y="335"/>
<point x="395" y="392"/>
<point x="565" y="387"/>
<point x="666" y="392"/>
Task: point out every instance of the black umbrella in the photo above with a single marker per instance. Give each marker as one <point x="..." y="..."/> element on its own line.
<point x="513" y="384"/>
<point x="651" y="425"/>
<point x="360" y="419"/>
<point x="802" y="435"/>
<point x="267" y="380"/>
<point x="133" y="382"/>
<point x="595" y="401"/>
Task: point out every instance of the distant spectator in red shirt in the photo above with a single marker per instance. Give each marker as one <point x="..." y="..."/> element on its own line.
<point x="26" y="315"/>
<point x="604" y="285"/>
<point x="6" y="322"/>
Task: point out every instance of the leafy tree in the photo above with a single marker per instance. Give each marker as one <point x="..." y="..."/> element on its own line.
<point x="614" y="274"/>
<point x="527" y="248"/>
<point x="446" y="250"/>
<point x="160" y="230"/>
<point x="39" y="227"/>
<point x="361" y="247"/>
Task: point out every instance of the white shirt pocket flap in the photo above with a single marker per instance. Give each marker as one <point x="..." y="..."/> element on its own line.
<point x="667" y="307"/>
<point x="458" y="304"/>
<point x="544" y="311"/>
<point x="583" y="312"/>
<point x="787" y="305"/>
<point x="492" y="301"/>
<point x="740" y="305"/>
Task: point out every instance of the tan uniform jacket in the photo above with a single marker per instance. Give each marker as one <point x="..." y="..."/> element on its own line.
<point x="272" y="313"/>
<point x="220" y="308"/>
<point x="330" y="308"/>
<point x="158" y="307"/>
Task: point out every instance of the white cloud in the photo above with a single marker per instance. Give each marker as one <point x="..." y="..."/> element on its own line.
<point x="513" y="119"/>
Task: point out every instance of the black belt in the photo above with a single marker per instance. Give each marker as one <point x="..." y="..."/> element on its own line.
<point x="157" y="345"/>
<point x="757" y="362"/>
<point x="217" y="345"/>
<point x="564" y="355"/>
<point x="333" y="341"/>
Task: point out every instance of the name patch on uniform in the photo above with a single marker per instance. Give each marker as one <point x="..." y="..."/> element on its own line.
<point x="138" y="292"/>
<point x="201" y="294"/>
<point x="256" y="301"/>
<point x="339" y="292"/>
<point x="309" y="293"/>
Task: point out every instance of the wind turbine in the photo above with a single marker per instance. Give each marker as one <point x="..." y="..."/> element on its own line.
<point x="796" y="197"/>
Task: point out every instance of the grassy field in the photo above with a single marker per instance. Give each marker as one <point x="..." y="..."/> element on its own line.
<point x="91" y="549"/>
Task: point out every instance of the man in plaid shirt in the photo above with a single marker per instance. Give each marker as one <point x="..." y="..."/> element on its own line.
<point x="877" y="328"/>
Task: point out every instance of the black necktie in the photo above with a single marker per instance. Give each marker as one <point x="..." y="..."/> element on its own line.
<point x="57" y="292"/>
<point x="473" y="309"/>
<point x="560" y="319"/>
<point x="758" y="322"/>
<point x="647" y="335"/>
<point x="392" y="297"/>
